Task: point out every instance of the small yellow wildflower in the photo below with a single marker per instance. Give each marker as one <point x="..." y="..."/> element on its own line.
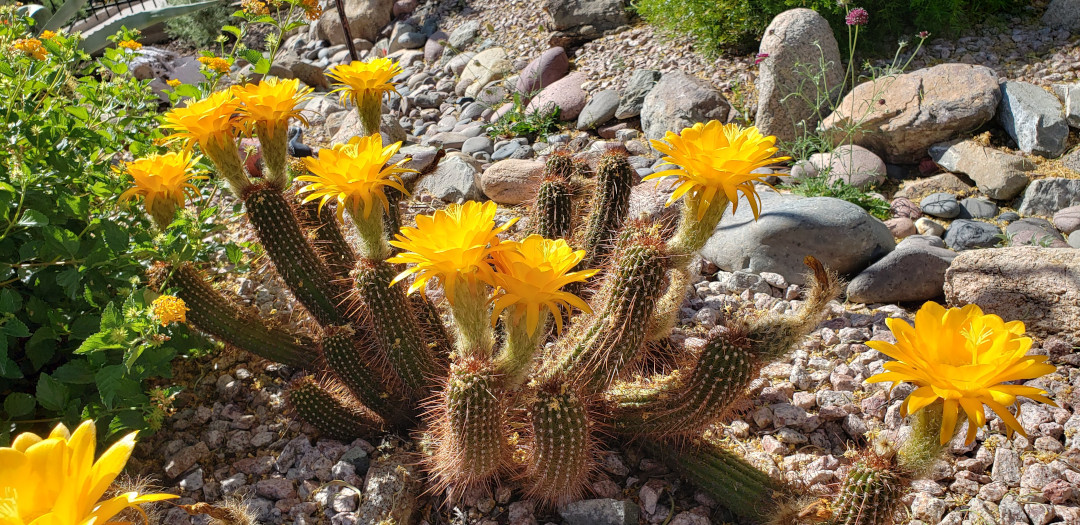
<point x="312" y="9"/>
<point x="255" y="7"/>
<point x="31" y="47"/>
<point x="215" y="64"/>
<point x="129" y="44"/>
<point x="170" y="309"/>
<point x="47" y="35"/>
<point x="172" y="82"/>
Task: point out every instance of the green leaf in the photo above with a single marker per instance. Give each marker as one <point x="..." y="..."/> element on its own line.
<point x="187" y="90"/>
<point x="15" y="328"/>
<point x="69" y="279"/>
<point x="116" y="237"/>
<point x="111" y="318"/>
<point x="262" y="67"/>
<point x="108" y="381"/>
<point x="32" y="218"/>
<point x="75" y="372"/>
<point x="96" y="343"/>
<point x="6" y="69"/>
<point x="41" y="347"/>
<point x="235" y="254"/>
<point x="18" y="404"/>
<point x="293" y="25"/>
<point x="52" y="394"/>
<point x="251" y="55"/>
<point x="79" y="112"/>
<point x="233" y="30"/>
<point x="10" y="301"/>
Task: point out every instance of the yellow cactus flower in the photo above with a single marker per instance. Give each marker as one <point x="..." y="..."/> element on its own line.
<point x="964" y="358"/>
<point x="364" y="84"/>
<point x="216" y="64"/>
<point x="163" y="180"/>
<point x="453" y="244"/>
<point x="169" y="309"/>
<point x="30" y="47"/>
<point x="213" y="124"/>
<point x="714" y="161"/>
<point x="353" y="175"/>
<point x="129" y="44"/>
<point x="268" y="106"/>
<point x="56" y="480"/>
<point x="529" y="278"/>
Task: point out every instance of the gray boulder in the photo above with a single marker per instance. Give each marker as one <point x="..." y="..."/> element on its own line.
<point x="914" y="271"/>
<point x="1069" y="94"/>
<point x="679" y="101"/>
<point x="633" y="95"/>
<point x="840" y="234"/>
<point x="602" y="15"/>
<point x="1046" y="196"/>
<point x="1034" y="231"/>
<point x="796" y="40"/>
<point x="998" y="174"/>
<point x="599" y="109"/>
<point x="1033" y="118"/>
<point x="1063" y="14"/>
<point x="463" y="35"/>
<point x="366" y="19"/>
<point x="455" y="180"/>
<point x="964" y="234"/>
<point x="854" y="165"/>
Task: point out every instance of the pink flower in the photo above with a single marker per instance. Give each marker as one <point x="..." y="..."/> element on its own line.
<point x="924" y="34"/>
<point x="760" y="57"/>
<point x="857" y="17"/>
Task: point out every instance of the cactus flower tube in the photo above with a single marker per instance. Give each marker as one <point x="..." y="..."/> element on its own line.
<point x="365" y="84"/>
<point x="453" y="245"/>
<point x="268" y="106"/>
<point x="55" y="479"/>
<point x="711" y="164"/>
<point x="164" y="181"/>
<point x="212" y="123"/>
<point x="355" y="176"/>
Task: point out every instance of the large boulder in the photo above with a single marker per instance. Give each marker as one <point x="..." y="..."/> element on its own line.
<point x="456" y="179"/>
<point x="600" y="109"/>
<point x="998" y="174"/>
<point x="512" y="181"/>
<point x="566" y="94"/>
<point x="633" y="95"/>
<point x="1039" y="286"/>
<point x="1033" y="118"/>
<point x="679" y="101"/>
<point x="901" y="116"/>
<point x="852" y="164"/>
<point x="840" y="234"/>
<point x="487" y="66"/>
<point x="796" y="40"/>
<point x="602" y="15"/>
<point x="366" y="19"/>
<point x="1046" y="196"/>
<point x="914" y="271"/>
<point x="543" y="71"/>
<point x="1063" y="14"/>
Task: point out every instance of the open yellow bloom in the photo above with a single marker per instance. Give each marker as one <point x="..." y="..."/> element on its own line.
<point x="31" y="47"/>
<point x="365" y="84"/>
<point x="268" y="106"/>
<point x="354" y="175"/>
<point x="163" y="180"/>
<point x="55" y="480"/>
<point x="453" y="244"/>
<point x="964" y="358"/>
<point x="715" y="160"/>
<point x="218" y="65"/>
<point x="213" y="124"/>
<point x="169" y="309"/>
<point x="530" y="276"/>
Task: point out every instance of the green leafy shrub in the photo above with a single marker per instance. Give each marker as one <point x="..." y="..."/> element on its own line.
<point x="737" y="25"/>
<point x="202" y="28"/>
<point x="819" y="186"/>
<point x="66" y="254"/>
<point x="520" y="123"/>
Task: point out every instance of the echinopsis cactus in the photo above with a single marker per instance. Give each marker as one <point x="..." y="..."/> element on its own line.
<point x="483" y="403"/>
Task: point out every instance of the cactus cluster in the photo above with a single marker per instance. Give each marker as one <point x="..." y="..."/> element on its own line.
<point x="486" y="386"/>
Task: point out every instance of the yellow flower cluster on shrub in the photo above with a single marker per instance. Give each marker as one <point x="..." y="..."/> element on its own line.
<point x="216" y="64"/>
<point x="130" y="45"/>
<point x="30" y="47"/>
<point x="55" y="480"/>
<point x="169" y="309"/>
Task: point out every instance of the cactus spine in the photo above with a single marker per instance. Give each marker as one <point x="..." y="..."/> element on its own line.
<point x="300" y="267"/>
<point x="870" y="493"/>
<point x="329" y="407"/>
<point x="562" y="451"/>
<point x="396" y="327"/>
<point x="610" y="206"/>
<point x="220" y="317"/>
<point x="470" y="427"/>
<point x="348" y="359"/>
<point x="328" y="238"/>
<point x="552" y="215"/>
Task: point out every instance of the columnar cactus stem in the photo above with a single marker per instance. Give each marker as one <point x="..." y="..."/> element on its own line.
<point x="295" y="259"/>
<point x="470" y="427"/>
<point x="667" y="309"/>
<point x="220" y="317"/>
<point x="515" y="361"/>
<point x="472" y="321"/>
<point x="434" y="329"/>
<point x="328" y="238"/>
<point x="372" y="236"/>
<point x="870" y="494"/>
<point x="774" y="334"/>
<point x="395" y="326"/>
<point x="609" y="208"/>
<point x="330" y="408"/>
<point x="562" y="453"/>
<point x="553" y="212"/>
<point x="692" y="233"/>
<point x="351" y="365"/>
<point x="597" y="348"/>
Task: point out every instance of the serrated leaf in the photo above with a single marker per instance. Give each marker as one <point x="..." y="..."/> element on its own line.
<point x="52" y="394"/>
<point x="116" y="237"/>
<point x="32" y="218"/>
<point x="109" y="380"/>
<point x="233" y="30"/>
<point x="111" y="318"/>
<point x="75" y="372"/>
<point x="10" y="301"/>
<point x="293" y="25"/>
<point x="78" y="112"/>
<point x="18" y="404"/>
<point x="251" y="55"/>
<point x="15" y="328"/>
<point x="69" y="279"/>
<point x="262" y="67"/>
<point x="96" y="343"/>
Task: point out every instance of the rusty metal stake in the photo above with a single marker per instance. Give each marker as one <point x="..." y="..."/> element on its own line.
<point x="345" y="29"/>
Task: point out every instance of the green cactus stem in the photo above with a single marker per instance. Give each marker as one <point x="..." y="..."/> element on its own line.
<point x="470" y="426"/>
<point x="515" y="361"/>
<point x="328" y="238"/>
<point x="692" y="233"/>
<point x="434" y="330"/>
<point x="215" y="314"/>
<point x="351" y="360"/>
<point x="553" y="212"/>
<point x="597" y="348"/>
<point x="328" y="406"/>
<point x="560" y="165"/>
<point x="392" y="217"/>
<point x="736" y="484"/>
<point x="396" y="327"/>
<point x="609" y="208"/>
<point x="667" y="310"/>
<point x="294" y="258"/>
<point x="774" y="334"/>
<point x="870" y="494"/>
<point x="720" y="375"/>
<point x="561" y="455"/>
